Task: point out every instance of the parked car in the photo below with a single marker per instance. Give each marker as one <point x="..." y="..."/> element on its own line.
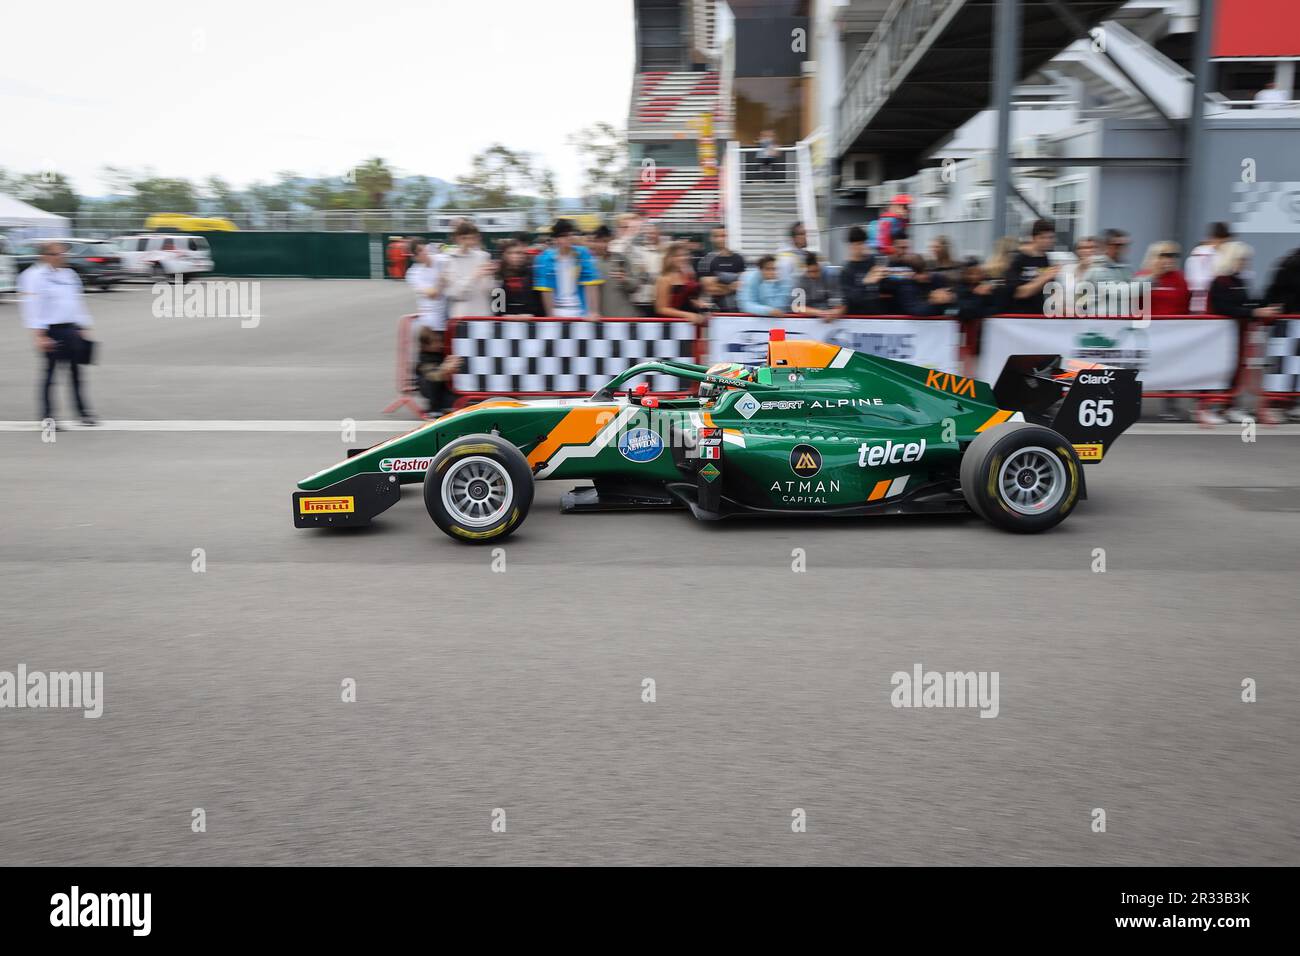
<point x="95" y="260"/>
<point x="8" y="268"/>
<point x="163" y="255"/>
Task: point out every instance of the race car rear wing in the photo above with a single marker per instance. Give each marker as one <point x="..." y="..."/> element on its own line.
<point x="1095" y="404"/>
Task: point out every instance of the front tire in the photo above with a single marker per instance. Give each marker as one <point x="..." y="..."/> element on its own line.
<point x="478" y="489"/>
<point x="1021" y="477"/>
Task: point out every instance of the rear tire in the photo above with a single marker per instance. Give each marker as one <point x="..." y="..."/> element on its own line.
<point x="1021" y="477"/>
<point x="478" y="489"/>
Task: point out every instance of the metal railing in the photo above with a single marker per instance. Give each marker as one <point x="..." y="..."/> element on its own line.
<point x="886" y="59"/>
<point x="85" y="223"/>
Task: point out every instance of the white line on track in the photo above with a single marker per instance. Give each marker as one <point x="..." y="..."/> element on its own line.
<point x="395" y="427"/>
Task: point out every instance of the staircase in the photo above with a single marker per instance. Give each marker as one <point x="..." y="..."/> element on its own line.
<point x="1110" y="92"/>
<point x="769" y="204"/>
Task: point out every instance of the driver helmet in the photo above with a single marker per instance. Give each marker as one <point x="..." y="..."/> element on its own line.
<point x="711" y="390"/>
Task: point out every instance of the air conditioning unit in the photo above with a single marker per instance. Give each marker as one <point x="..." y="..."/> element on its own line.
<point x="932" y="183"/>
<point x="1036" y="147"/>
<point x="861" y="170"/>
<point x="979" y="171"/>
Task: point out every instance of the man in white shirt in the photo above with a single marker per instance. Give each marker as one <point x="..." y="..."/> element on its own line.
<point x="1198" y="270"/>
<point x="54" y="307"/>
<point x="470" y="274"/>
<point x="425" y="276"/>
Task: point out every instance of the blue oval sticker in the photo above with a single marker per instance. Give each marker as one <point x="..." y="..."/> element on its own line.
<point x="640" y="445"/>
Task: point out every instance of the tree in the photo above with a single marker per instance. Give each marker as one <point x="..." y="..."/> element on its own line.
<point x="374" y="180"/>
<point x="604" y="155"/>
<point x="414" y="192"/>
<point x="498" y="177"/>
<point x="146" y="192"/>
<point x="47" y="190"/>
<point x="279" y="196"/>
<point x="550" y="193"/>
<point x="224" y="198"/>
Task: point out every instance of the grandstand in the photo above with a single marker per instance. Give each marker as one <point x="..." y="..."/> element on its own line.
<point x="679" y="94"/>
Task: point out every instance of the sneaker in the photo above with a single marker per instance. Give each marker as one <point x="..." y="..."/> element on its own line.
<point x="1210" y="416"/>
<point x="1239" y="417"/>
<point x="90" y="421"/>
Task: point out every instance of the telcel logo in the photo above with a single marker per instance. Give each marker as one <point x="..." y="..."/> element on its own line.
<point x="873" y="456"/>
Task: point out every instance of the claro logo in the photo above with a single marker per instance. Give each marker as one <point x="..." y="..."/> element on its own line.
<point x="1095" y="378"/>
<point x="873" y="456"/>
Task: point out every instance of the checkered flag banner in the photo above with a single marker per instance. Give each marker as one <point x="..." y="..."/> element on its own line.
<point x="1266" y="208"/>
<point x="1282" y="357"/>
<point x="549" y="356"/>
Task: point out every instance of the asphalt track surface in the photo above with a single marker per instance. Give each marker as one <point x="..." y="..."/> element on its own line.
<point x="522" y="690"/>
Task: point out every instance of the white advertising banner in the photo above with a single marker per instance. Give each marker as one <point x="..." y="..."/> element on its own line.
<point x="934" y="344"/>
<point x="1171" y="355"/>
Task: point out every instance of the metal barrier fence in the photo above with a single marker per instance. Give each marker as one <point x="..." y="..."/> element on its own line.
<point x="1216" y="358"/>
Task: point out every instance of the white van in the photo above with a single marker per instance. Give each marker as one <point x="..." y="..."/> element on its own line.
<point x="164" y="255"/>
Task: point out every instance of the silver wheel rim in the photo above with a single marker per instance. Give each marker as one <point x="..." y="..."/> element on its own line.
<point x="477" y="492"/>
<point x="1031" y="481"/>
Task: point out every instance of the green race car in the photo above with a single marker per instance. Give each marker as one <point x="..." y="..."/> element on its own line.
<point x="818" y="430"/>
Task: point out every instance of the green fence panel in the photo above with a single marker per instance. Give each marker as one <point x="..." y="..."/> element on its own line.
<point x="315" y="255"/>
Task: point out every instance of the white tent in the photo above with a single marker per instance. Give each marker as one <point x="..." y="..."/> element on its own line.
<point x="23" y="221"/>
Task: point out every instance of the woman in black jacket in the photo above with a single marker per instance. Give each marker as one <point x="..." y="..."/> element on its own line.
<point x="515" y="278"/>
<point x="1230" y="297"/>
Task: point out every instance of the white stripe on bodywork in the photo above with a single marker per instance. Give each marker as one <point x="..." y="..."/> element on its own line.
<point x="590" y="450"/>
<point x="1017" y="417"/>
<point x="841" y="358"/>
<point x="733" y="438"/>
<point x="896" y="488"/>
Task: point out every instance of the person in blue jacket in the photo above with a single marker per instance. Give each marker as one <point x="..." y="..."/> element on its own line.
<point x="763" y="291"/>
<point x="567" y="277"/>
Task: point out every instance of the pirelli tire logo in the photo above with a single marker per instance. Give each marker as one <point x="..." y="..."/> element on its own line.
<point x="334" y="504"/>
<point x="805" y="460"/>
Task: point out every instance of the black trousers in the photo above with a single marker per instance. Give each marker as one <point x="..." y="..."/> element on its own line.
<point x="67" y="350"/>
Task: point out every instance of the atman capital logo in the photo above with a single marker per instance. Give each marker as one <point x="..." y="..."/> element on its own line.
<point x="805" y="461"/>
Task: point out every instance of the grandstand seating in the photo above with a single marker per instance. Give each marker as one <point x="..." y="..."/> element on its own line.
<point x="668" y="102"/>
<point x="678" y="194"/>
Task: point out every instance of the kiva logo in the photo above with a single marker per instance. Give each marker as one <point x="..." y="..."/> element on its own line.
<point x="805" y="461"/>
<point x="950" y="383"/>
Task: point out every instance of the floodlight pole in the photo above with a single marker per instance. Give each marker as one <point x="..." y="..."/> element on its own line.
<point x="1006" y="65"/>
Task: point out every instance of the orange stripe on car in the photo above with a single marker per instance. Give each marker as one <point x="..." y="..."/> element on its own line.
<point x="578" y="427"/>
<point x="997" y="418"/>
<point x="878" y="492"/>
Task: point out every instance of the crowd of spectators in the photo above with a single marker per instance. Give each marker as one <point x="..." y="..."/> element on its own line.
<point x="635" y="270"/>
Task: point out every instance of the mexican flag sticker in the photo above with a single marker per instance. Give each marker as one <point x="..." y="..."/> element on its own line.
<point x="710" y="471"/>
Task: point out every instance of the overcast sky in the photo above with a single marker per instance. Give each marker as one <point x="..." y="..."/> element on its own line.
<point x="244" y="89"/>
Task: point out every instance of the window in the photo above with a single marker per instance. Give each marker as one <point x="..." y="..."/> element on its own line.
<point x="977" y="206"/>
<point x="1067" y="211"/>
